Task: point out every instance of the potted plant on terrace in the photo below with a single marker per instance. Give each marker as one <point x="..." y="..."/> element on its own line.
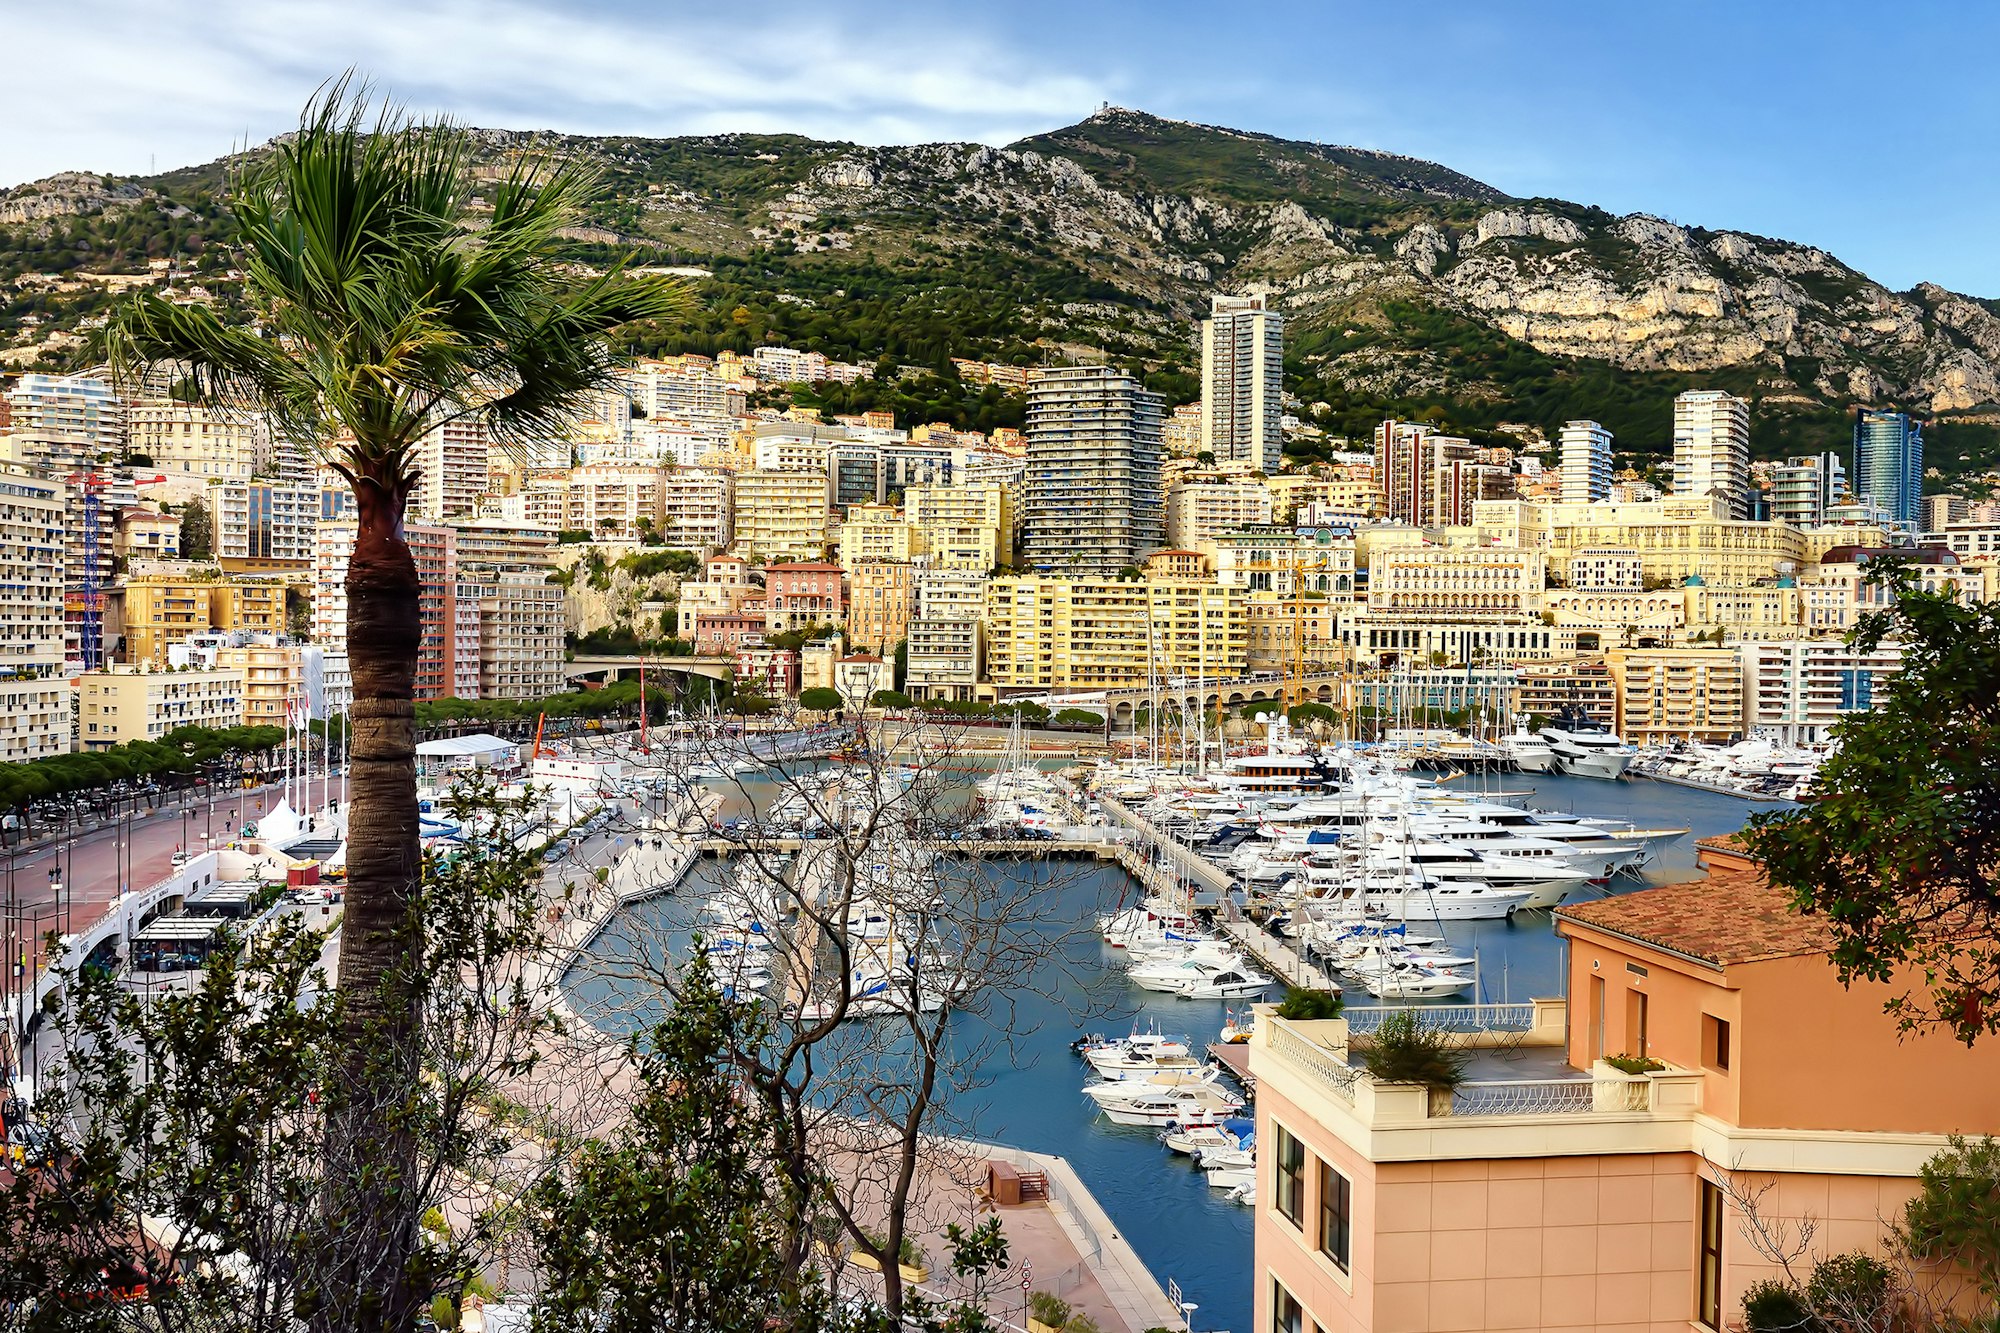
<point x="1047" y="1312"/>
<point x="862" y="1259"/>
<point x="913" y="1262"/>
<point x="1407" y="1050"/>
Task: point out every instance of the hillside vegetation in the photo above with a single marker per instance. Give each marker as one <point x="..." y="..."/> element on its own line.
<point x="1410" y="289"/>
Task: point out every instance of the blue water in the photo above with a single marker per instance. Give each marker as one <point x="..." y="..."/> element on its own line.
<point x="1021" y="1085"/>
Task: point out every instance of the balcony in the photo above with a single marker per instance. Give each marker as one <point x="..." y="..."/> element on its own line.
<point x="1521" y="1097"/>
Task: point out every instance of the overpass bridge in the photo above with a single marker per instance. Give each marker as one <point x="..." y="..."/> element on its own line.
<point x="608" y="667"/>
<point x="1233" y="692"/>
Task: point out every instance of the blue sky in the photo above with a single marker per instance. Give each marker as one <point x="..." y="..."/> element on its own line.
<point x="1870" y="131"/>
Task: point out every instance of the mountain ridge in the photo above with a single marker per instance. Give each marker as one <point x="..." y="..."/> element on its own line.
<point x="1410" y="288"/>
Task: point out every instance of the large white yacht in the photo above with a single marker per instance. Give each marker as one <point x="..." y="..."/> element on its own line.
<point x="1588" y="752"/>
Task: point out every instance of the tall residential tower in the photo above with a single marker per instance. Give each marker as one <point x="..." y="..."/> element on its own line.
<point x="1889" y="463"/>
<point x="1242" y="380"/>
<point x="1586" y="462"/>
<point x="1712" y="447"/>
<point x="1094" y="505"/>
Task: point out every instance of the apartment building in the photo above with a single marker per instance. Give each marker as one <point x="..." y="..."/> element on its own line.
<point x="451" y="461"/>
<point x="1577" y="688"/>
<point x="1553" y="1191"/>
<point x="1839" y="592"/>
<point x="247" y="606"/>
<point x="878" y="532"/>
<point x="1044" y="632"/>
<point x="1606" y="569"/>
<point x="1803" y="489"/>
<point x="146" y="535"/>
<point x="1093" y="501"/>
<point x="520" y="637"/>
<point x="442" y="650"/>
<point x="1712" y="448"/>
<point x="1972" y="543"/>
<point x="802" y="595"/>
<point x="969" y="526"/>
<point x="1283" y="559"/>
<point x="1242" y="383"/>
<point x="61" y="422"/>
<point x="1670" y="694"/>
<point x="218" y="445"/>
<point x="160" y="611"/>
<point x="880" y="597"/>
<point x="117" y="706"/>
<point x="619" y="500"/>
<point x="1283" y="633"/>
<point x="1889" y="463"/>
<point x="782" y="515"/>
<point x="1203" y="511"/>
<point x="34" y="697"/>
<point x="1457" y="585"/>
<point x="1586" y="462"/>
<point x="272" y="676"/>
<point x="1796" y="690"/>
<point x="1677" y="537"/>
<point x="697" y="509"/>
<point x="264" y="527"/>
<point x="1428" y="478"/>
<point x="946" y="659"/>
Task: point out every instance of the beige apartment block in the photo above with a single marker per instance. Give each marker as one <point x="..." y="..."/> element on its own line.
<point x="880" y="595"/>
<point x="1670" y="694"/>
<point x="31" y="575"/>
<point x="161" y="611"/>
<point x="520" y="637"/>
<point x="966" y="525"/>
<point x="878" y="532"/>
<point x="1676" y="538"/>
<point x="114" y="707"/>
<point x="1276" y="558"/>
<point x="1202" y="511"/>
<point x="222" y="446"/>
<point x="615" y="500"/>
<point x="697" y="509"/>
<point x="241" y="604"/>
<point x="271" y="674"/>
<point x="1453" y="584"/>
<point x="146" y="535"/>
<point x="35" y="719"/>
<point x="1796" y="691"/>
<point x="1089" y="634"/>
<point x="782" y="515"/>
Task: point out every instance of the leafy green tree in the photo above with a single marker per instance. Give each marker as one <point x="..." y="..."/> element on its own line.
<point x="1900" y="855"/>
<point x="671" y="1222"/>
<point x="821" y="700"/>
<point x="197" y="540"/>
<point x="890" y="699"/>
<point x="1955" y="1215"/>
<point x="382" y="309"/>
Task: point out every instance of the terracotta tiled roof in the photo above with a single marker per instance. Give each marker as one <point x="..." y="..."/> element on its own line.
<point x="1733" y="916"/>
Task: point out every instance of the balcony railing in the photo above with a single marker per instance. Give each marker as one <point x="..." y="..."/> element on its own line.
<point x="1548" y="1096"/>
<point x="1451" y="1017"/>
<point x="1328" y="1068"/>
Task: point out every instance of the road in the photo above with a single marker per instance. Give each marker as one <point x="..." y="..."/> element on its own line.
<point x="132" y="851"/>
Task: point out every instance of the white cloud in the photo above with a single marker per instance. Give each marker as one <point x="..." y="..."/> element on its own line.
<point x="185" y="89"/>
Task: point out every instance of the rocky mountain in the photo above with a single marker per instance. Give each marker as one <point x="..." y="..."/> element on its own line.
<point x="1409" y="288"/>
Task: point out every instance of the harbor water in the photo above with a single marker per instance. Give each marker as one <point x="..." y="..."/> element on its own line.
<point x="1024" y="1085"/>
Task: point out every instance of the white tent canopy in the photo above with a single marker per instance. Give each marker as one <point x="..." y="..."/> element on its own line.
<point x="481" y="747"/>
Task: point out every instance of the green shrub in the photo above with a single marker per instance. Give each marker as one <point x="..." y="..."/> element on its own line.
<point x="1303" y="1003"/>
<point x="1081" y="1323"/>
<point x="1408" y="1050"/>
<point x="1852" y="1291"/>
<point x="1775" y="1307"/>
<point x="1633" y="1064"/>
<point x="1045" y="1307"/>
<point x="1955" y="1216"/>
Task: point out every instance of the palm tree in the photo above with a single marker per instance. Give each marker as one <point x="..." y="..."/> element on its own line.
<point x="383" y="308"/>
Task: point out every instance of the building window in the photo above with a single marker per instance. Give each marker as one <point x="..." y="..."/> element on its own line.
<point x="1708" y="1295"/>
<point x="1715" y="1042"/>
<point x="1336" y="1215"/>
<point x="1291" y="1191"/>
<point x="1287" y="1315"/>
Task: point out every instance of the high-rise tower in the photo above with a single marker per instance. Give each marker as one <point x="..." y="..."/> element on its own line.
<point x="1242" y="381"/>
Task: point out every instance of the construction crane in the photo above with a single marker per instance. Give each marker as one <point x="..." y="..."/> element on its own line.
<point x="89" y="597"/>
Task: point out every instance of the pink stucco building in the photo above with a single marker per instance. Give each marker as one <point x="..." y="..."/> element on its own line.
<point x="1552" y="1191"/>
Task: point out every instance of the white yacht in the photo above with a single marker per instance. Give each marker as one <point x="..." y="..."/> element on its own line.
<point x="1229" y="983"/>
<point x="1529" y="751"/>
<point x="1588" y="752"/>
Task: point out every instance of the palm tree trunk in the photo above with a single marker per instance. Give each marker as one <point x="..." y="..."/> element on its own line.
<point x="371" y="1202"/>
